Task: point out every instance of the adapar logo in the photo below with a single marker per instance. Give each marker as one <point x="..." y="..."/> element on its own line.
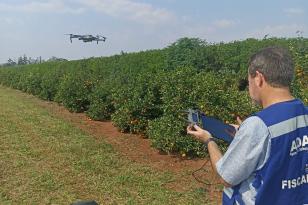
<point x="298" y="145"/>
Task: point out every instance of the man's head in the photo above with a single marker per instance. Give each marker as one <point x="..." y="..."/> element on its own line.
<point x="269" y="68"/>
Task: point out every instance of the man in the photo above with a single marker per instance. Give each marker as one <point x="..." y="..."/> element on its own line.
<point x="267" y="162"/>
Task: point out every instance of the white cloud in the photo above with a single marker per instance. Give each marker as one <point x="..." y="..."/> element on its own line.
<point x="224" y="23"/>
<point x="293" y="11"/>
<point x="35" y="7"/>
<point x="128" y="9"/>
<point x="278" y="31"/>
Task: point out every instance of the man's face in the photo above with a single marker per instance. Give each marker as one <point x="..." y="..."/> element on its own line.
<point x="253" y="89"/>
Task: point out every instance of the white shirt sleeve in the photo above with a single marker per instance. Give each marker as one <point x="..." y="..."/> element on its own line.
<point x="247" y="153"/>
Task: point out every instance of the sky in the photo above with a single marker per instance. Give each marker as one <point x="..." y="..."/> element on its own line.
<point x="37" y="28"/>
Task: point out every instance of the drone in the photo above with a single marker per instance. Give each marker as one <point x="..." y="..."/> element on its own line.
<point x="87" y="38"/>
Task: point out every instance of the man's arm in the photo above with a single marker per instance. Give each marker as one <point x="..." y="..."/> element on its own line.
<point x="214" y="151"/>
<point x="215" y="156"/>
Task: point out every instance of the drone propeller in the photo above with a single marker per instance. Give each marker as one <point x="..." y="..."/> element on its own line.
<point x="100" y="36"/>
<point x="71" y="36"/>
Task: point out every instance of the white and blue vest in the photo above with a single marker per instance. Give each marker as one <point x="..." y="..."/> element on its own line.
<point x="283" y="180"/>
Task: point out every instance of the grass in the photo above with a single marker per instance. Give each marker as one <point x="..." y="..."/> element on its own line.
<point x="46" y="160"/>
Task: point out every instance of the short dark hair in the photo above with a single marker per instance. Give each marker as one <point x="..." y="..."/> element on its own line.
<point x="276" y="65"/>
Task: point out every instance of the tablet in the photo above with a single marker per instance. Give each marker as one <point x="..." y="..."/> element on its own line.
<point x="217" y="128"/>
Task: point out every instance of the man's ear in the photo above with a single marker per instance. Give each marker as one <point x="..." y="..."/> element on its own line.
<point x="259" y="79"/>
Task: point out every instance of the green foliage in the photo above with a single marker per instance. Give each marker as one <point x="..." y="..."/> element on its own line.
<point x="168" y="134"/>
<point x="186" y="52"/>
<point x="220" y="97"/>
<point x="137" y="102"/>
<point x="74" y="91"/>
<point x="101" y="106"/>
<point x="32" y="82"/>
<point x="49" y="84"/>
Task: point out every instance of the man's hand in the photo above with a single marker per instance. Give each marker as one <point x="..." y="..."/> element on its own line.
<point x="239" y="121"/>
<point x="215" y="154"/>
<point x="198" y="133"/>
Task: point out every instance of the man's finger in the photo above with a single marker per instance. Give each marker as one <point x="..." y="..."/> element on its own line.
<point x="239" y="120"/>
<point x="197" y="127"/>
<point x="189" y="130"/>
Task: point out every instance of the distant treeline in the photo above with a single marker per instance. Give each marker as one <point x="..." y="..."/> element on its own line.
<point x="24" y="60"/>
<point x="146" y="92"/>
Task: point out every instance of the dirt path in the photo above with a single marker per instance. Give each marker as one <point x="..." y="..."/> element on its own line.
<point x="138" y="149"/>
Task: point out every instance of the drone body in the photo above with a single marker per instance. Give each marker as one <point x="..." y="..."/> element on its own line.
<point x="87" y="38"/>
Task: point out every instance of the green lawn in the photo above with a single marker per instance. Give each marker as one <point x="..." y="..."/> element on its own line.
<point x="46" y="160"/>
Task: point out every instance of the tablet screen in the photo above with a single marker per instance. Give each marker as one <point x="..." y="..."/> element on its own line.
<point x="217" y="128"/>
